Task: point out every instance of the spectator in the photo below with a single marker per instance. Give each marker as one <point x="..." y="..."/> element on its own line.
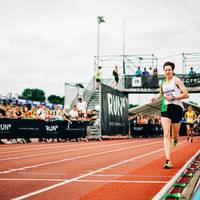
<point x="11" y="112"/>
<point x="49" y="115"/>
<point x="41" y="114"/>
<point x="151" y="70"/>
<point x="73" y="113"/>
<point x="155" y="71"/>
<point x="3" y="113"/>
<point x="59" y="113"/>
<point x="66" y="114"/>
<point x="154" y="79"/>
<point x="32" y="112"/>
<point x="192" y="73"/>
<point x="145" y="73"/>
<point x="116" y="76"/>
<point x="138" y="72"/>
<point x="81" y="116"/>
<point x="18" y="112"/>
<point x="90" y="115"/>
<point x="26" y="113"/>
<point x="98" y="77"/>
<point x="81" y="105"/>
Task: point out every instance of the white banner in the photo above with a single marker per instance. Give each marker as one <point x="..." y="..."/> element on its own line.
<point x="136" y="82"/>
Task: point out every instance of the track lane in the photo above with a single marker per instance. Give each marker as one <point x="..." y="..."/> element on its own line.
<point x="145" y="191"/>
<point x="53" y="187"/>
<point x="80" y="167"/>
<point x="32" y="152"/>
<point x="83" y="166"/>
<point x="52" y="158"/>
<point x="73" y="156"/>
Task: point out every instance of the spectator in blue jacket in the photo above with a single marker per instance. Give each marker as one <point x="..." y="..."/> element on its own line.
<point x="138" y="72"/>
<point x="145" y="73"/>
<point x="192" y="72"/>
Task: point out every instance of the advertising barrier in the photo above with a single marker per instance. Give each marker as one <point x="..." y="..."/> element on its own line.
<point x="151" y="130"/>
<point x="152" y="81"/>
<point x="30" y="128"/>
<point x="114" y="111"/>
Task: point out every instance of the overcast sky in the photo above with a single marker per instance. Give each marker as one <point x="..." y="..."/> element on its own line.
<point x="45" y="43"/>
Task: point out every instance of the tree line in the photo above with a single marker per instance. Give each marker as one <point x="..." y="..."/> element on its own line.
<point x="39" y="95"/>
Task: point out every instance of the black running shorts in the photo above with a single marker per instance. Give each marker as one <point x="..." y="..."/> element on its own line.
<point x="174" y="112"/>
<point x="190" y="124"/>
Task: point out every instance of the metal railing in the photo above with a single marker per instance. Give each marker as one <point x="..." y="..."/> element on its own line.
<point x="150" y="83"/>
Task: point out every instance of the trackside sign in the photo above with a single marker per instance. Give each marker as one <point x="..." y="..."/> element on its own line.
<point x="114" y="111"/>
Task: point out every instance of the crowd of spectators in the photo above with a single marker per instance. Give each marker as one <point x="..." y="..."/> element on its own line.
<point x="156" y="119"/>
<point x="146" y="72"/>
<point x="79" y="112"/>
<point x="42" y="112"/>
<point x="143" y="119"/>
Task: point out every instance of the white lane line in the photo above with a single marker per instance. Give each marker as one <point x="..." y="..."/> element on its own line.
<point x="32" y="179"/>
<point x="44" y="147"/>
<point x="49" y="146"/>
<point x="121" y="181"/>
<point x="67" y="146"/>
<point x="129" y="175"/>
<point x="97" y="175"/>
<point x="84" y="175"/>
<point x="63" y="151"/>
<point x="53" y="146"/>
<point x="87" y="180"/>
<point x="43" y="173"/>
<point x="74" y="158"/>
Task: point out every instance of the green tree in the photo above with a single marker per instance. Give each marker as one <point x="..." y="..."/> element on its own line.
<point x="33" y="94"/>
<point x="56" y="99"/>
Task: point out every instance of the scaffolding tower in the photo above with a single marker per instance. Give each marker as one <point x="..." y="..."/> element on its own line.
<point x="127" y="64"/>
<point x="191" y="60"/>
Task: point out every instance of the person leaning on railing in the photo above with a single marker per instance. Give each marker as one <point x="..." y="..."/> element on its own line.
<point x="41" y="113"/>
<point x="3" y="111"/>
<point x="73" y="113"/>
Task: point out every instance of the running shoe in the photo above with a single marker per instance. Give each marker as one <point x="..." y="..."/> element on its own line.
<point x="174" y="142"/>
<point x="167" y="165"/>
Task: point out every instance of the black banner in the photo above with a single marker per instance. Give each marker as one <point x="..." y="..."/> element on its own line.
<point x="30" y="128"/>
<point x="193" y="81"/>
<point x="145" y="130"/>
<point x="7" y="128"/>
<point x="151" y="130"/>
<point x="152" y="81"/>
<point x="114" y="111"/>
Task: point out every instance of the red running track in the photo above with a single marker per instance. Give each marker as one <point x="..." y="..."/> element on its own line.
<point x="116" y="169"/>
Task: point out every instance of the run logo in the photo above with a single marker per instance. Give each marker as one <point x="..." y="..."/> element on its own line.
<point x="52" y="128"/>
<point x="5" y="127"/>
<point x="116" y="104"/>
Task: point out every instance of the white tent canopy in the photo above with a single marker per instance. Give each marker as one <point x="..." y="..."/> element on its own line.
<point x="154" y="108"/>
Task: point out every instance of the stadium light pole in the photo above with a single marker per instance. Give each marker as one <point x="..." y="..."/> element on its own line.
<point x="100" y="19"/>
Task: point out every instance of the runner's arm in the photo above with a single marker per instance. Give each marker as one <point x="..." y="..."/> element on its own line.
<point x="184" y="92"/>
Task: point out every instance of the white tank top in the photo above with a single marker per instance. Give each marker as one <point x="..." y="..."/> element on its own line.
<point x="171" y="89"/>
